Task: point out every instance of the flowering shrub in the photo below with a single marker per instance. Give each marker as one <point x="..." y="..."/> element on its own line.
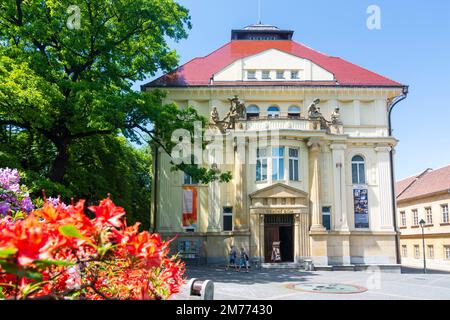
<point x="58" y="252"/>
<point x="14" y="198"/>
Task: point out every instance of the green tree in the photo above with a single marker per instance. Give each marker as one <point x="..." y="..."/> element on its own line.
<point x="66" y="71"/>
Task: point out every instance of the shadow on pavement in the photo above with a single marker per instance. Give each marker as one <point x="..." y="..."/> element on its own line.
<point x="254" y="276"/>
<point x="410" y="270"/>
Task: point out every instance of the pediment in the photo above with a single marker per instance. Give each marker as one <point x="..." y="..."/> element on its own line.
<point x="279" y="190"/>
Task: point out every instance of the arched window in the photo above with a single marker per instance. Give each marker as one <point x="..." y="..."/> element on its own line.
<point x="252" y="112"/>
<point x="358" y="170"/>
<point x="294" y="112"/>
<point x="273" y="112"/>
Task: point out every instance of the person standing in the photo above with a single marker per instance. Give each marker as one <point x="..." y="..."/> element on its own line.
<point x="233" y="256"/>
<point x="243" y="260"/>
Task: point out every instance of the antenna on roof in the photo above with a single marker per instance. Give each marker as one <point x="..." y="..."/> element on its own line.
<point x="259" y="11"/>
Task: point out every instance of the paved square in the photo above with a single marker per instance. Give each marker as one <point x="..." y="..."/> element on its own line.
<point x="282" y="284"/>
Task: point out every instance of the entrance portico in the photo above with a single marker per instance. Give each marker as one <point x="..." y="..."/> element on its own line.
<point x="281" y="213"/>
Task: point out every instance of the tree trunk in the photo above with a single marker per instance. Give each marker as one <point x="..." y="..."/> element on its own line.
<point x="61" y="161"/>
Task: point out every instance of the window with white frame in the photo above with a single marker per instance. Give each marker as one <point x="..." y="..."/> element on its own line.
<point x="447" y="252"/>
<point x="293" y="164"/>
<point x="280" y="74"/>
<point x="266" y="74"/>
<point x="403" y="218"/>
<point x="404" y="251"/>
<point x="444" y="209"/>
<point x="416" y="251"/>
<point x="429" y="215"/>
<point x="277" y="163"/>
<point x="273" y="112"/>
<point x="188" y="180"/>
<point x="358" y="170"/>
<point x="261" y="164"/>
<point x="430" y="251"/>
<point x="251" y="74"/>
<point x="252" y="112"/>
<point x="326" y="217"/>
<point x="294" y="112"/>
<point x="415" y="215"/>
<point x="227" y="218"/>
<point x="295" y="75"/>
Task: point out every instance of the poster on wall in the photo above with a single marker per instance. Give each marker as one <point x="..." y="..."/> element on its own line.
<point x="360" y="198"/>
<point x="189" y="207"/>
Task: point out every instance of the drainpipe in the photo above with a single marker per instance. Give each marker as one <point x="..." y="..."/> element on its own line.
<point x="391" y="159"/>
<point x="155" y="186"/>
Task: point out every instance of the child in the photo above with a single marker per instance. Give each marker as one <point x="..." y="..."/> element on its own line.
<point x="243" y="261"/>
<point x="233" y="255"/>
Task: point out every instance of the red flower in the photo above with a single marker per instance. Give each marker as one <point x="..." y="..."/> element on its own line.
<point x="108" y="213"/>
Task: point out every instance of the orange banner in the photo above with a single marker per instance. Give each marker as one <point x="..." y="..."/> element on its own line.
<point x="190" y="207"/>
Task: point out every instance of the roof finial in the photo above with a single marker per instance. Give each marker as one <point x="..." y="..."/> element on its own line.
<point x="259" y="11"/>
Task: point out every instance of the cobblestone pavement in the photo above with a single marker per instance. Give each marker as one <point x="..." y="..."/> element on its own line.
<point x="285" y="284"/>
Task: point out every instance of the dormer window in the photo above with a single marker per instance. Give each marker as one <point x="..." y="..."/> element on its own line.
<point x="280" y="74"/>
<point x="266" y="74"/>
<point x="294" y="75"/>
<point x="251" y="74"/>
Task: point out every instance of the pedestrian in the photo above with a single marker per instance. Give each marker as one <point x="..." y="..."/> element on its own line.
<point x="243" y="260"/>
<point x="232" y="259"/>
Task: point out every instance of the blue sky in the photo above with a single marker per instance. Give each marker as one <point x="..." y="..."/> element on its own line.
<point x="412" y="47"/>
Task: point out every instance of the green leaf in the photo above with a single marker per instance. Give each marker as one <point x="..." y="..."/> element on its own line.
<point x="71" y="231"/>
<point x="47" y="262"/>
<point x="5" y="253"/>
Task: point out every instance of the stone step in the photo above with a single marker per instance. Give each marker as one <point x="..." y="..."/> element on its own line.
<point x="282" y="265"/>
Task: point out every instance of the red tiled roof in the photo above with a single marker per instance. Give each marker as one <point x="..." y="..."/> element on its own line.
<point x="428" y="182"/>
<point x="198" y="71"/>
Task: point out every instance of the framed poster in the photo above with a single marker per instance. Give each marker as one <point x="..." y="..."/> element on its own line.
<point x="361" y="206"/>
<point x="189" y="208"/>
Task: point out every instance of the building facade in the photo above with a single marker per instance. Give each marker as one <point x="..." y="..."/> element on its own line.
<point x="307" y="141"/>
<point x="425" y="197"/>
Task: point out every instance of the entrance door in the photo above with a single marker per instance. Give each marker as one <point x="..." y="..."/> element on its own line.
<point x="279" y="228"/>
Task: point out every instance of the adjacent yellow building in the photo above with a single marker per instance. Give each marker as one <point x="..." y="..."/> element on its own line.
<point x="308" y="143"/>
<point x="425" y="197"/>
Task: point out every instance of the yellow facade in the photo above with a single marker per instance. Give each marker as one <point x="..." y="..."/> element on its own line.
<point x="436" y="232"/>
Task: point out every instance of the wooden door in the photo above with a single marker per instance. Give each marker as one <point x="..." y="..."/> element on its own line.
<point x="271" y="234"/>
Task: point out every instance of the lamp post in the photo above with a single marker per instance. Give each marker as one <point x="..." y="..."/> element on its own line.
<point x="422" y="224"/>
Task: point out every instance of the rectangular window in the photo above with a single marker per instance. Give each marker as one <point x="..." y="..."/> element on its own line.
<point x="416" y="251"/>
<point x="227" y="218"/>
<point x="188" y="180"/>
<point x="429" y="215"/>
<point x="266" y="74"/>
<point x="261" y="165"/>
<point x="447" y="252"/>
<point x="326" y="217"/>
<point x="293" y="164"/>
<point x="251" y="74"/>
<point x="444" y="209"/>
<point x="280" y="74"/>
<point x="403" y="218"/>
<point x="415" y="215"/>
<point x="404" y="251"/>
<point x="294" y="75"/>
<point x="430" y="251"/>
<point x="278" y="164"/>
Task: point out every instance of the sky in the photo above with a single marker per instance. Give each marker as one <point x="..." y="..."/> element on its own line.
<point x="412" y="47"/>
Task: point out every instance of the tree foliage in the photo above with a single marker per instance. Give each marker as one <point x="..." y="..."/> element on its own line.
<point x="66" y="90"/>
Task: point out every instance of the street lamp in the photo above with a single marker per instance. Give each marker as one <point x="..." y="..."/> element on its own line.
<point x="422" y="224"/>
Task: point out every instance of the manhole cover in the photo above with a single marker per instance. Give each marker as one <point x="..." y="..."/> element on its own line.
<point x="338" y="288"/>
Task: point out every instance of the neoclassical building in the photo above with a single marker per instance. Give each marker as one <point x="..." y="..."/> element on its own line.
<point x="306" y="137"/>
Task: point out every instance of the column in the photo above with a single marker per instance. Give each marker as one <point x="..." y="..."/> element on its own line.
<point x="340" y="203"/>
<point x="384" y="187"/>
<point x="316" y="214"/>
<point x="240" y="180"/>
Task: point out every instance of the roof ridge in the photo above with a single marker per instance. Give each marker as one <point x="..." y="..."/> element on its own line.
<point x="416" y="178"/>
